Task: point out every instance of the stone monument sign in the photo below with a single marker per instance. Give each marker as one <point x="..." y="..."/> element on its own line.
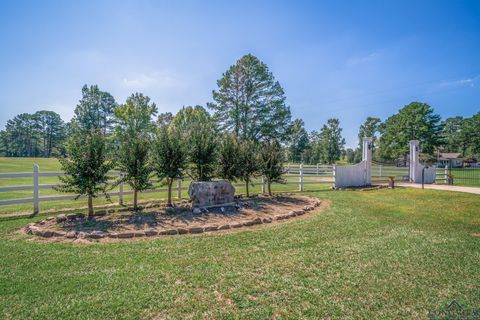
<point x="211" y="193"/>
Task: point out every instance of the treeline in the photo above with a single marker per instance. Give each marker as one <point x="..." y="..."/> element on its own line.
<point x="250" y="104"/>
<point x="415" y="121"/>
<point x="41" y="134"/>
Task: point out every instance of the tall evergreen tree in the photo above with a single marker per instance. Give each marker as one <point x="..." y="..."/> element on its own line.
<point x="133" y="133"/>
<point x="297" y="141"/>
<point x="249" y="102"/>
<point x="331" y="141"/>
<point x="95" y="109"/>
<point x="22" y="136"/>
<point x="51" y="129"/>
<point x="368" y="129"/>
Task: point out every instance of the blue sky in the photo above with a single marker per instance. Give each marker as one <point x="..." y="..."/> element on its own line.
<point x="344" y="59"/>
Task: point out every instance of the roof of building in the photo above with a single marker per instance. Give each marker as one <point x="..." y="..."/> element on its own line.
<point x="450" y="156"/>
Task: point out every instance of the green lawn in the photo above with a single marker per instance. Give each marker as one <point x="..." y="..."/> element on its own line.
<point x="378" y="254"/>
<point x="466" y="176"/>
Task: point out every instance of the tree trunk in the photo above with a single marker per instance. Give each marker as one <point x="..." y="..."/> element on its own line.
<point x="90" y="206"/>
<point x="246" y="186"/>
<point x="135" y="200"/>
<point x="169" y="197"/>
<point x="269" y="187"/>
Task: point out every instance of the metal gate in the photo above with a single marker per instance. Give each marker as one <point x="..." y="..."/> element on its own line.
<point x="465" y="176"/>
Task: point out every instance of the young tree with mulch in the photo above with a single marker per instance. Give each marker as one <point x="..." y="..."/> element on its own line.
<point x="197" y="128"/>
<point x="229" y="160"/>
<point x="271" y="162"/>
<point x="86" y="165"/>
<point x="248" y="162"/>
<point x="133" y="135"/>
<point x="169" y="157"/>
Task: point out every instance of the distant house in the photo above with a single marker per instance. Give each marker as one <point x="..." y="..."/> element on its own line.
<point x="453" y="160"/>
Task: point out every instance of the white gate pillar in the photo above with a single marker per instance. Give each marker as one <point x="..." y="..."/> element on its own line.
<point x="414" y="160"/>
<point x="367" y="159"/>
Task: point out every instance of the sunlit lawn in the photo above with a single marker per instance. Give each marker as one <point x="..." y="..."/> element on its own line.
<point x="379" y="254"/>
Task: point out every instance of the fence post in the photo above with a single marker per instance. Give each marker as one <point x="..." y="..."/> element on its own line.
<point x="318" y="172"/>
<point x="288" y="168"/>
<point x="263" y="184"/>
<point x="179" y="188"/>
<point x="36" y="200"/>
<point x="381" y="175"/>
<point x="446" y="174"/>
<point x="120" y="190"/>
<point x="301" y="177"/>
<point x="333" y="174"/>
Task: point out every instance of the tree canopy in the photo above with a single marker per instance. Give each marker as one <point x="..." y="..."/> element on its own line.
<point x="249" y="101"/>
<point x="331" y="142"/>
<point x="133" y="134"/>
<point x="95" y="109"/>
<point x="415" y="121"/>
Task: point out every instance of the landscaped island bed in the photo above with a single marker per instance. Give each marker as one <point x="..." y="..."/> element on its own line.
<point x="156" y="220"/>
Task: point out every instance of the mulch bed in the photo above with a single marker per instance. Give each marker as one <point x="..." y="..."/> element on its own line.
<point x="156" y="221"/>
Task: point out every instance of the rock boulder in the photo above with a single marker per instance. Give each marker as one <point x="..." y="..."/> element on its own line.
<point x="211" y="193"/>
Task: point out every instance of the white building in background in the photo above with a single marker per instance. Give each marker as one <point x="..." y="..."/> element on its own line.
<point x="453" y="160"/>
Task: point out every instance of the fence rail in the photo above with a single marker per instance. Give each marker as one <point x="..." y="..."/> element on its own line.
<point x="322" y="174"/>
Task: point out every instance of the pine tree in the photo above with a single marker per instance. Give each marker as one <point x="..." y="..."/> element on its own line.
<point x="249" y="102"/>
<point x="331" y="142"/>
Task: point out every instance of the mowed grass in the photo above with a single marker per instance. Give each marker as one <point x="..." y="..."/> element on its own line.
<point x="372" y="255"/>
<point x="466" y="176"/>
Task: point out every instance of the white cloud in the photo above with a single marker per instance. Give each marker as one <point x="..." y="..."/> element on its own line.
<point x="467" y="82"/>
<point x="145" y="81"/>
<point x="362" y="59"/>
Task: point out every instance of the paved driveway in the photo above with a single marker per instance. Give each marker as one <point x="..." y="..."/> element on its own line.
<point x="445" y="187"/>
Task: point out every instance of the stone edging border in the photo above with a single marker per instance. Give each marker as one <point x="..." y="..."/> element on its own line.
<point x="83" y="237"/>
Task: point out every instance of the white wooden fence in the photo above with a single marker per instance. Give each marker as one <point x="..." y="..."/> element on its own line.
<point x="319" y="173"/>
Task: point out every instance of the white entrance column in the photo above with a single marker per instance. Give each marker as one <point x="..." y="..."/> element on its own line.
<point x="414" y="161"/>
<point x="367" y="159"/>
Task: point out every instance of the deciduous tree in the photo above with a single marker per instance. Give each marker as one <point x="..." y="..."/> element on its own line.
<point x="86" y="165"/>
<point x="271" y="162"/>
<point x="133" y="135"/>
<point x="197" y="129"/>
<point x="229" y="157"/>
<point x="415" y="121"/>
<point x="169" y="156"/>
